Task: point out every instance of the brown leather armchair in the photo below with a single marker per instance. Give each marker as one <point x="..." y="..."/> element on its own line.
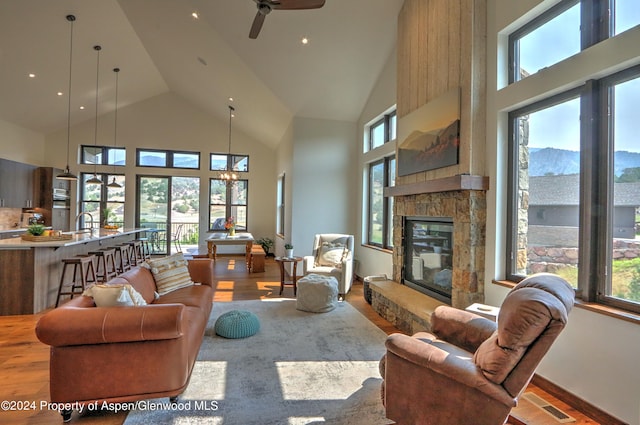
<point x="470" y="370"/>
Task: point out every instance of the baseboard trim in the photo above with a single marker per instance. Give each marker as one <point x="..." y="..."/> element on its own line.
<point x="577" y="403"/>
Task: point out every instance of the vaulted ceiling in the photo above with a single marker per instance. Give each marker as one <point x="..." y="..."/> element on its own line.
<point x="160" y="47"/>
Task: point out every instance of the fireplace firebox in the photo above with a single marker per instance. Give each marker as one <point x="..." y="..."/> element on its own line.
<point x="428" y="256"/>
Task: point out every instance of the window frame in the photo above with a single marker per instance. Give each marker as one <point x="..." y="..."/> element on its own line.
<point x="169" y="158"/>
<point x="104" y="198"/>
<point x="231" y="160"/>
<point x="280" y="205"/>
<point x="389" y="123"/>
<point x="387" y="213"/>
<point x="228" y="206"/>
<point x="105" y="150"/>
<point x="597" y="19"/>
<point x="596" y="214"/>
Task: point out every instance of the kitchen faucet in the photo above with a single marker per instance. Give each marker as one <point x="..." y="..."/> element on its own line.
<point x="90" y="228"/>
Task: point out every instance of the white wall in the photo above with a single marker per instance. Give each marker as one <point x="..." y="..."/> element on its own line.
<point x="323" y="181"/>
<point x="168" y="121"/>
<point x="371" y="261"/>
<point x="20" y="144"/>
<point x="596" y="357"/>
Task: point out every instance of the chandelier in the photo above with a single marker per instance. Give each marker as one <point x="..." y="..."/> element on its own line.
<point x="228" y="176"/>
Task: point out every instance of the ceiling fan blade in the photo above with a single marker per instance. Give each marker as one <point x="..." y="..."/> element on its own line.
<point x="257" y="25"/>
<point x="296" y="4"/>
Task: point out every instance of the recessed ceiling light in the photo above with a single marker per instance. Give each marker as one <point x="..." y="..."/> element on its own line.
<point x="195" y="15"/>
<point x="82" y="107"/>
<point x="230" y="99"/>
<point x="60" y="93"/>
<point x="304" y="40"/>
<point x="32" y="75"/>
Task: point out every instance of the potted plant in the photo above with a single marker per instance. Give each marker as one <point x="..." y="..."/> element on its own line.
<point x="230" y="225"/>
<point x="36" y="229"/>
<point x="266" y="244"/>
<point x="288" y="250"/>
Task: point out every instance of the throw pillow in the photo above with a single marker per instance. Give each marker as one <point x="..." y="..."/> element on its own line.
<point x="330" y="254"/>
<point x="170" y="273"/>
<point x="114" y="295"/>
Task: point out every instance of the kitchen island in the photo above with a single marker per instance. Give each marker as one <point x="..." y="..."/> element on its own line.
<point x="30" y="271"/>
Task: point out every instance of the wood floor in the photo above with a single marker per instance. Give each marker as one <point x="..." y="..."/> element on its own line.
<point x="24" y="361"/>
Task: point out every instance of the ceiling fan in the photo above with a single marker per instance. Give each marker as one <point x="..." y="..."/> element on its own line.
<point x="266" y="6"/>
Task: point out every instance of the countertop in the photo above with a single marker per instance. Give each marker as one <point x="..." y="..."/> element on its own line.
<point x="76" y="239"/>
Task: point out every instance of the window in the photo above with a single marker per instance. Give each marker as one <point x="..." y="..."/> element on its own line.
<point x="546" y="184"/>
<point x="382" y="131"/>
<point x="380" y="208"/>
<point x="575" y="190"/>
<point x="280" y="205"/>
<point x="102" y="155"/>
<point x="570" y="26"/>
<point x="167" y="159"/>
<point x="228" y="201"/>
<point x="104" y="203"/>
<point x="229" y="162"/>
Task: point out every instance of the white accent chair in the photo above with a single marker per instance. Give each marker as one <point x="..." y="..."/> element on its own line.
<point x="332" y="256"/>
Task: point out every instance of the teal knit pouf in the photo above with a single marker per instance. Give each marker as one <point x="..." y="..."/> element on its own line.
<point x="237" y="324"/>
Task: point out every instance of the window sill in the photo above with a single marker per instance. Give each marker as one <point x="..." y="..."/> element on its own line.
<point x="377" y="248"/>
<point x="594" y="307"/>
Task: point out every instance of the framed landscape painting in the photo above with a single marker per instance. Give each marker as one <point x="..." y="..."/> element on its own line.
<point x="429" y="137"/>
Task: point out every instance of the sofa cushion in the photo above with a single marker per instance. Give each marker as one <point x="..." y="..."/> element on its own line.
<point x="141" y="279"/>
<point x="170" y="273"/>
<point x="114" y="295"/>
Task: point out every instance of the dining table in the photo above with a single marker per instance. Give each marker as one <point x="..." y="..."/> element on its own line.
<point x="223" y="238"/>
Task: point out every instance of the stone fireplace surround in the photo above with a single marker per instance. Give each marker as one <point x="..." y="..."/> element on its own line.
<point x="462" y="198"/>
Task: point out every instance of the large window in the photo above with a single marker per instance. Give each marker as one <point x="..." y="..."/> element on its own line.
<point x="382" y="131"/>
<point x="228" y="200"/>
<point x="102" y="155"/>
<point x="167" y="159"/>
<point x="380" y="209"/>
<point x="566" y="29"/>
<point x="575" y="190"/>
<point x="379" y="173"/>
<point x="280" y="204"/>
<point x="104" y="203"/>
<point x="229" y="162"/>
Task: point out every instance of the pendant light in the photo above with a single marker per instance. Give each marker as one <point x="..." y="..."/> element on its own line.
<point x="114" y="184"/>
<point x="95" y="179"/>
<point x="228" y="176"/>
<point x="67" y="174"/>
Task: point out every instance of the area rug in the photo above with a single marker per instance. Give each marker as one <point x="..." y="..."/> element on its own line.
<point x="300" y="368"/>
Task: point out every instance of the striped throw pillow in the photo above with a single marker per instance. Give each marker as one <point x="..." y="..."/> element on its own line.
<point x="170" y="273"/>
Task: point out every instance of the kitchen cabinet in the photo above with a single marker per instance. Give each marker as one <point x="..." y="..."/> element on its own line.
<point x="55" y="214"/>
<point x="16" y="184"/>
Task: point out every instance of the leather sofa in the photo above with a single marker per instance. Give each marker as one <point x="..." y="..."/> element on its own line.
<point x="124" y="354"/>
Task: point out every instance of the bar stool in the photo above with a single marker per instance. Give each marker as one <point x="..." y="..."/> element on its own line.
<point x="82" y="270"/>
<point x="122" y="258"/>
<point x="106" y="264"/>
<point x="146" y="249"/>
<point x="90" y="276"/>
<point x="136" y="255"/>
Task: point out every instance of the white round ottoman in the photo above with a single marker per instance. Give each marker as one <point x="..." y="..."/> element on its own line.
<point x="317" y="293"/>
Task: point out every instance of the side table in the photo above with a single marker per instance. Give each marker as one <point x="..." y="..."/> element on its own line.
<point x="283" y="274"/>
